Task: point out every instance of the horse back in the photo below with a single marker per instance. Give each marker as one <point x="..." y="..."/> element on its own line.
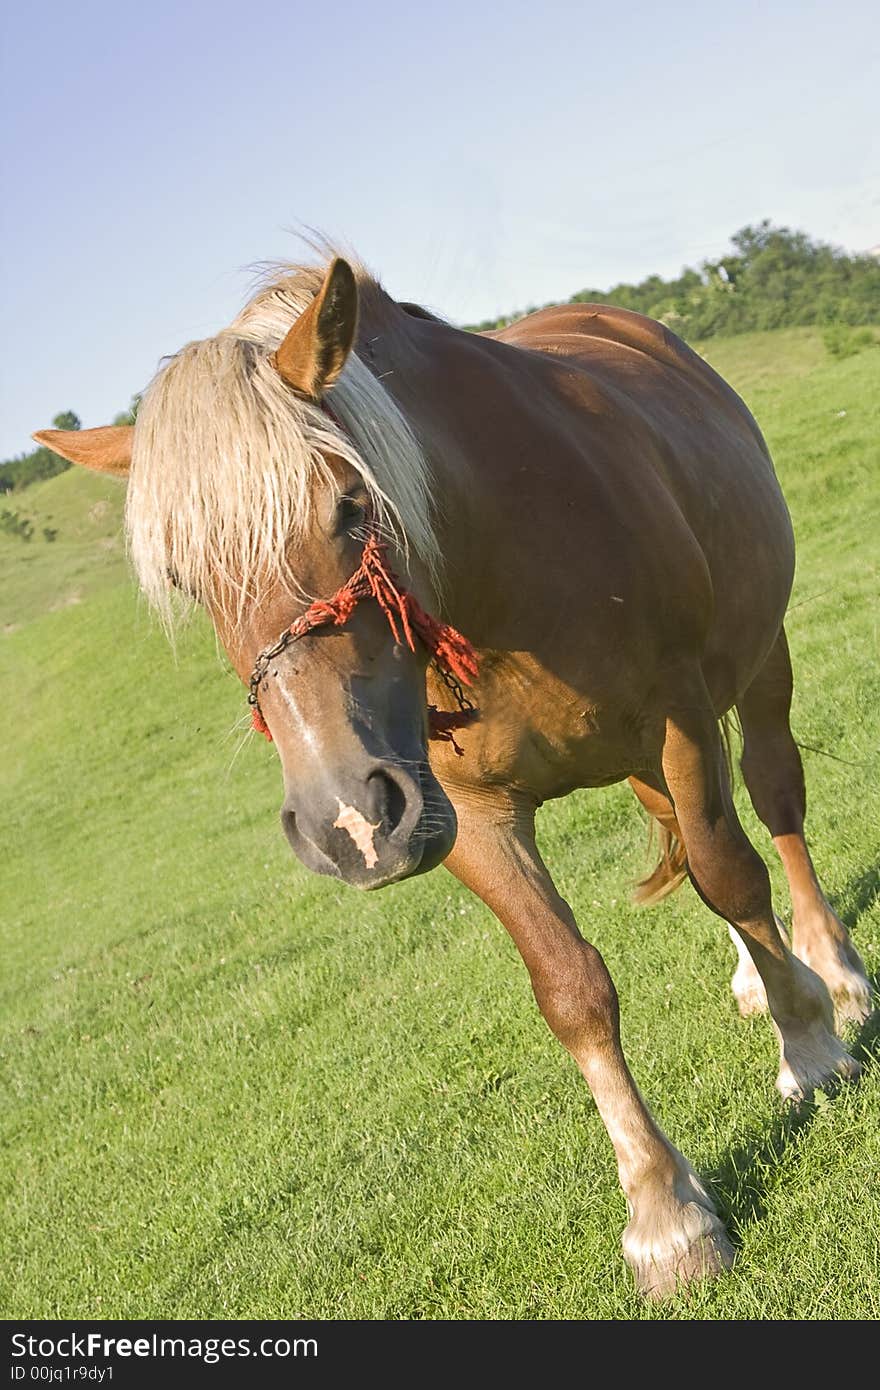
<point x="594" y="446"/>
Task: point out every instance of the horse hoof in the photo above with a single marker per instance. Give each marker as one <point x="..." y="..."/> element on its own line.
<point x="852" y="995"/>
<point x="815" y="1061"/>
<point x="693" y="1247"/>
<point x="839" y="965"/>
<point x="853" y="1003"/>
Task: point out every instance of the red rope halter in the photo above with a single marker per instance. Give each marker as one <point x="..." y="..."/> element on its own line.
<point x="452" y="653"/>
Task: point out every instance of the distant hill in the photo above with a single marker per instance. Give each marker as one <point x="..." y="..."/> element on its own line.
<point x="66" y="546"/>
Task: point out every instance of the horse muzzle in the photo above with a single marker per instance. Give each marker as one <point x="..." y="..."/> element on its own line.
<point x="391" y="823"/>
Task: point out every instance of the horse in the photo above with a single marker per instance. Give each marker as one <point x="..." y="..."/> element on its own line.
<point x="594" y="515"/>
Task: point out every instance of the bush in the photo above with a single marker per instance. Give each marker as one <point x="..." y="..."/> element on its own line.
<point x="843" y="341"/>
<point x="13" y="524"/>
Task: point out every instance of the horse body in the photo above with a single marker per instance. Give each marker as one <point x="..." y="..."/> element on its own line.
<point x="607" y="504"/>
<point x="615" y="544"/>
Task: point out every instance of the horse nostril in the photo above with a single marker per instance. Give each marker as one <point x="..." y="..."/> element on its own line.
<point x="386" y="801"/>
<point x="288" y="823"/>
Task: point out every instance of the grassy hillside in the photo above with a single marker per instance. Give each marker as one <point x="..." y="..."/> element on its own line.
<point x="235" y="1089"/>
<point x="85" y="557"/>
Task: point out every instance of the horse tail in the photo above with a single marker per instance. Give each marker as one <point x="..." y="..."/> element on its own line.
<point x="671" y="870"/>
<point x="672" y="867"/>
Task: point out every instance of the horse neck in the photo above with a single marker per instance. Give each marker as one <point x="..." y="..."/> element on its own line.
<point x="395" y="345"/>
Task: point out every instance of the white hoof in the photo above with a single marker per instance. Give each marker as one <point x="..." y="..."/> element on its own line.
<point x="811" y="1057"/>
<point x="747" y="985"/>
<point x="813" y="1061"/>
<point x="675" y="1237"/>
<point x="839" y="964"/>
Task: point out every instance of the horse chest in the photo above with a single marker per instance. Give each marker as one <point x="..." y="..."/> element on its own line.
<point x="541" y="735"/>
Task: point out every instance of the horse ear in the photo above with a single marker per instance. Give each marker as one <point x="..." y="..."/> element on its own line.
<point x="317" y="346"/>
<point x="107" y="450"/>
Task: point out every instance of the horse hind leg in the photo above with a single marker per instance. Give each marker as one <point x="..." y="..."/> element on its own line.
<point x="671" y="870"/>
<point x="733" y="881"/>
<point x="774" y="776"/>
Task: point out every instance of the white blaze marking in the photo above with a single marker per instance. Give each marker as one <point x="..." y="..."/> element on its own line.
<point x="360" y="830"/>
<point x="305" y="732"/>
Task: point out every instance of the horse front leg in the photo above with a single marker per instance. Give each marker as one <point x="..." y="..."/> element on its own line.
<point x="674" y="1234"/>
<point x="733" y="881"/>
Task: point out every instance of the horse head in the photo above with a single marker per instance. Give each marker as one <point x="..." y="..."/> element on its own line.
<point x="250" y="495"/>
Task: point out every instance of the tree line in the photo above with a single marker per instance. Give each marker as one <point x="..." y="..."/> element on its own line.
<point x="773" y="278"/>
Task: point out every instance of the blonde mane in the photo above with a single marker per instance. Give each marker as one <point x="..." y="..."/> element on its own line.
<point x="226" y="458"/>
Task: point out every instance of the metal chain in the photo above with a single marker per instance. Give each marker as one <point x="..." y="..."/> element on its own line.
<point x="262" y="665"/>
<point x="464" y="704"/>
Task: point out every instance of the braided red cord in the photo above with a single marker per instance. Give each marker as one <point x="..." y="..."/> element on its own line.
<point x="407" y="619"/>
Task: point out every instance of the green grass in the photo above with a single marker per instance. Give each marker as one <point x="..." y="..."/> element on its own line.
<point x="234" y="1089"/>
<point x="86" y="556"/>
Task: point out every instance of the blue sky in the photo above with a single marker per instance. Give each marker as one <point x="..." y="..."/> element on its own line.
<point x="479" y="156"/>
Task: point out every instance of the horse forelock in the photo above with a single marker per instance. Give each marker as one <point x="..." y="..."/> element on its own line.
<point x="226" y="459"/>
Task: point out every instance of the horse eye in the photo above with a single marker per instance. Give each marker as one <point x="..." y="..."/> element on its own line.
<point x="349" y="514"/>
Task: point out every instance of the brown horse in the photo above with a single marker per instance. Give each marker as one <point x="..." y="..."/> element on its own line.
<point x="587" y="501"/>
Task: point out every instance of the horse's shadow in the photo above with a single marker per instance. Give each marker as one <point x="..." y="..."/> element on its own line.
<point x="741" y="1176"/>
